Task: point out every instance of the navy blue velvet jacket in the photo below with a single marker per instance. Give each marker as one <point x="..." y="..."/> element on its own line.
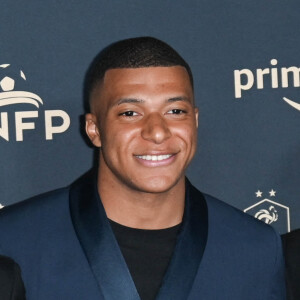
<point x="66" y="249"/>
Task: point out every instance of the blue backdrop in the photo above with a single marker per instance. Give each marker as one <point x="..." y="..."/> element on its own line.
<point x="245" y="60"/>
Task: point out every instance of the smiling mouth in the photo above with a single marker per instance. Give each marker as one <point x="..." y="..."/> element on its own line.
<point x="154" y="157"/>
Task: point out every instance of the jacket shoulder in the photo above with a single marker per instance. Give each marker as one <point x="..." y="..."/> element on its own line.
<point x="245" y="253"/>
<point x="223" y="212"/>
<point x="239" y="230"/>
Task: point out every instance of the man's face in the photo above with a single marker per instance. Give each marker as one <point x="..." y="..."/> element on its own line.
<point x="145" y="122"/>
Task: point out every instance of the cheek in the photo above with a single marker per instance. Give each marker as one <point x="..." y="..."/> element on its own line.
<point x="188" y="139"/>
<point x="188" y="134"/>
<point x="120" y="139"/>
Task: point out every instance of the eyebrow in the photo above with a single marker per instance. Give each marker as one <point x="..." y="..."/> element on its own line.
<point x="180" y="98"/>
<point x="136" y="100"/>
<point x="129" y="100"/>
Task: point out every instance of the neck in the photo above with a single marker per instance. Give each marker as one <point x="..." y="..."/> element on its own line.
<point x="133" y="208"/>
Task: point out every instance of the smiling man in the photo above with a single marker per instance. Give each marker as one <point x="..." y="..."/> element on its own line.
<point x="138" y="229"/>
<point x="145" y="122"/>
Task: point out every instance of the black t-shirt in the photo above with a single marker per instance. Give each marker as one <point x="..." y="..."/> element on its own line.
<point x="147" y="254"/>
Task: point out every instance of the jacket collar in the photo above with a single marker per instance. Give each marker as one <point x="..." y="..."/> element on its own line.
<point x="104" y="255"/>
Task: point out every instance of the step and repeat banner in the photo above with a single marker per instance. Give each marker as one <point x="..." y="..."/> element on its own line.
<point x="246" y="65"/>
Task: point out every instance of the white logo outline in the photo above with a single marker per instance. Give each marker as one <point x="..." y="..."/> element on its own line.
<point x="10" y="97"/>
<point x="252" y="77"/>
<point x="292" y="103"/>
<point x="268" y="216"/>
<point x="275" y="203"/>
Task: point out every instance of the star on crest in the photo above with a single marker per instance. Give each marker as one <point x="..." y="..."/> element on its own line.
<point x="272" y="193"/>
<point x="258" y="194"/>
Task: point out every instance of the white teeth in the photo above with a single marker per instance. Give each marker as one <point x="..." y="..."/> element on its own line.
<point x="154" y="157"/>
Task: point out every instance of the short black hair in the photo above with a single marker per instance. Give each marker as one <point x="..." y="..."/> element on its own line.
<point x="137" y="52"/>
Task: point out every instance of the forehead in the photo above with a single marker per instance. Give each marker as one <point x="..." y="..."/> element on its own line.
<point x="153" y="80"/>
<point x="148" y="75"/>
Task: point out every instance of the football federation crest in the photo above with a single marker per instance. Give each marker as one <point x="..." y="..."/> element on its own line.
<point x="268" y="216"/>
<point x="271" y="212"/>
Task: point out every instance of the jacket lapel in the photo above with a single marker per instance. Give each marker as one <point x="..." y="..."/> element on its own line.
<point x="98" y="241"/>
<point x="189" y="248"/>
<point x="104" y="255"/>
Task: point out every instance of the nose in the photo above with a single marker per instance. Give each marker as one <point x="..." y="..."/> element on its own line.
<point x="155" y="129"/>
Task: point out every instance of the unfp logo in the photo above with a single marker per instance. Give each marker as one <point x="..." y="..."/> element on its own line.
<point x="271" y="212"/>
<point x="246" y="79"/>
<point x="11" y="95"/>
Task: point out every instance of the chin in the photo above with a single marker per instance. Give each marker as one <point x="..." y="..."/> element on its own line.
<point x="157" y="184"/>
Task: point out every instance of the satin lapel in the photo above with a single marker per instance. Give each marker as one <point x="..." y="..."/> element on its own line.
<point x="189" y="248"/>
<point x="98" y="242"/>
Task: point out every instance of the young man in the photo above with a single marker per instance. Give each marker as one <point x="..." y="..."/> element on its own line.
<point x="138" y="229"/>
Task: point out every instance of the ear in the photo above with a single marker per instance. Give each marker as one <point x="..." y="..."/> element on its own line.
<point x="196" y="110"/>
<point x="91" y="128"/>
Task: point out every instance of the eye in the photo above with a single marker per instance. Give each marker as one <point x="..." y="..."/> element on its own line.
<point x="176" y="111"/>
<point x="129" y="113"/>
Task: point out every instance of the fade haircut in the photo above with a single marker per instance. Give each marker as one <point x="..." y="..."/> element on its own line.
<point x="137" y="52"/>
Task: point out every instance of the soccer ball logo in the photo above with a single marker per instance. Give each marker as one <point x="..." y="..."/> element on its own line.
<point x="7" y="83"/>
<point x="9" y="96"/>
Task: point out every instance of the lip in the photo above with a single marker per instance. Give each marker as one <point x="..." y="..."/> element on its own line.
<point x="156" y="163"/>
